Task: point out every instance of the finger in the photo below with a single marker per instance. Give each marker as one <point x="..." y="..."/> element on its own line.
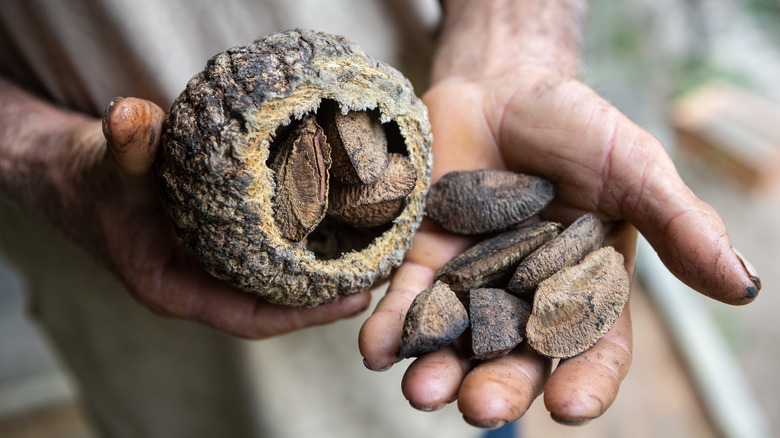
<point x="380" y="335"/>
<point x="132" y="129"/>
<point x="622" y="236"/>
<point x="688" y="234"/>
<point x="184" y="290"/>
<point x="432" y="381"/>
<point x="262" y="320"/>
<point x="500" y="391"/>
<point x="601" y="161"/>
<point x="251" y="317"/>
<point x="583" y="387"/>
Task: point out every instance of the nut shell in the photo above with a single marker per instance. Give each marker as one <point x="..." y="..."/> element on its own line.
<point x="480" y="201"/>
<point x="492" y="262"/>
<point x="498" y="322"/>
<point x="216" y="185"/>
<point x="576" y="306"/>
<point x="435" y="319"/>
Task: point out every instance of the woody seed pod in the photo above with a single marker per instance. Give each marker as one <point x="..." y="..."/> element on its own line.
<point x="242" y="151"/>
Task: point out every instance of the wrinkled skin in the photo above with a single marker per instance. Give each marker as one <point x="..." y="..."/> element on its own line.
<point x="536" y="121"/>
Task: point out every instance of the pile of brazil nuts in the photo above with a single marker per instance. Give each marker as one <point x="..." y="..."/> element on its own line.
<point x="557" y="287"/>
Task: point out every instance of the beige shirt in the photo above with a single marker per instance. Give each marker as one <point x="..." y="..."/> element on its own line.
<point x="81" y="53"/>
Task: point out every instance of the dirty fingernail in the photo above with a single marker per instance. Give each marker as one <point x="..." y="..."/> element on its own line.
<point x="107" y="114"/>
<point x="429" y="408"/>
<point x="570" y="421"/>
<point x="372" y="368"/>
<point x="487" y="424"/>
<point x="751" y="272"/>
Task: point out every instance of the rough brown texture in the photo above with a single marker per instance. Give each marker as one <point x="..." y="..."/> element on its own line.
<point x="369" y="205"/>
<point x="435" y="319"/>
<point x="219" y="190"/>
<point x="579" y="239"/>
<point x="498" y="322"/>
<point x="301" y="167"/>
<point x="359" y="146"/>
<point x="492" y="262"/>
<point x="578" y="305"/>
<point x="486" y="200"/>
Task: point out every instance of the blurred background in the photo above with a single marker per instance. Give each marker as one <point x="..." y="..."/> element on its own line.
<point x="700" y="75"/>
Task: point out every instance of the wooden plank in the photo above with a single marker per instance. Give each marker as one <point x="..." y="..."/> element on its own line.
<point x="735" y="130"/>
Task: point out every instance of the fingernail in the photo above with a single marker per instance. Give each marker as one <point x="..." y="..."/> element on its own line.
<point x="107" y="114"/>
<point x="379" y="369"/>
<point x="752" y="291"/>
<point x="488" y="424"/>
<point x="429" y="408"/>
<point x="570" y="421"/>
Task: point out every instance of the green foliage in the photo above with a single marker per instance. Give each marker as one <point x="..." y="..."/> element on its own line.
<point x="767" y="14"/>
<point x="693" y="71"/>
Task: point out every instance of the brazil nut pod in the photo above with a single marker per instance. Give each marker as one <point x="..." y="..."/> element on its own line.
<point x="245" y="167"/>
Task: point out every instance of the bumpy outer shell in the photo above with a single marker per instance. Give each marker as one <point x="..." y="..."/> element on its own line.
<point x="491" y="263"/>
<point x="218" y="190"/>
<point x="577" y="306"/>
<point x="482" y="201"/>
<point x="498" y="322"/>
<point x="435" y="319"/>
<point x="581" y="238"/>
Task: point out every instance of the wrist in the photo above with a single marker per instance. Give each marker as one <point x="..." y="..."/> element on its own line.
<point x="495" y="37"/>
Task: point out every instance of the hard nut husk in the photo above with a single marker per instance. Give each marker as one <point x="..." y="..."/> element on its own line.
<point x="577" y="306"/>
<point x="246" y="167"/>
<point x="434" y="320"/>
<point x="579" y="239"/>
<point x="578" y="287"/>
<point x="473" y="202"/>
<point x="492" y="262"/>
<point x="498" y="321"/>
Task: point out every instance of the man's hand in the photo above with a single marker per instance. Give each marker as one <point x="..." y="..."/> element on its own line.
<point x="533" y="118"/>
<point x="99" y="190"/>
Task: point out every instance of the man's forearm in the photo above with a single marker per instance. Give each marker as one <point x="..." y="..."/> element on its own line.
<point x="490" y="37"/>
<point x="43" y="151"/>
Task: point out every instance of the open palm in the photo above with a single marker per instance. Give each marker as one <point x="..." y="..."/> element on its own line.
<point x="533" y="121"/>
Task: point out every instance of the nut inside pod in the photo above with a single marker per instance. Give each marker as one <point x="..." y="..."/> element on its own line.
<point x="219" y="175"/>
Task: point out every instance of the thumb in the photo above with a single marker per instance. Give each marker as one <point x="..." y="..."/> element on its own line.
<point x="602" y="161"/>
<point x="132" y="129"/>
<point x="692" y="241"/>
<point x="688" y="234"/>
